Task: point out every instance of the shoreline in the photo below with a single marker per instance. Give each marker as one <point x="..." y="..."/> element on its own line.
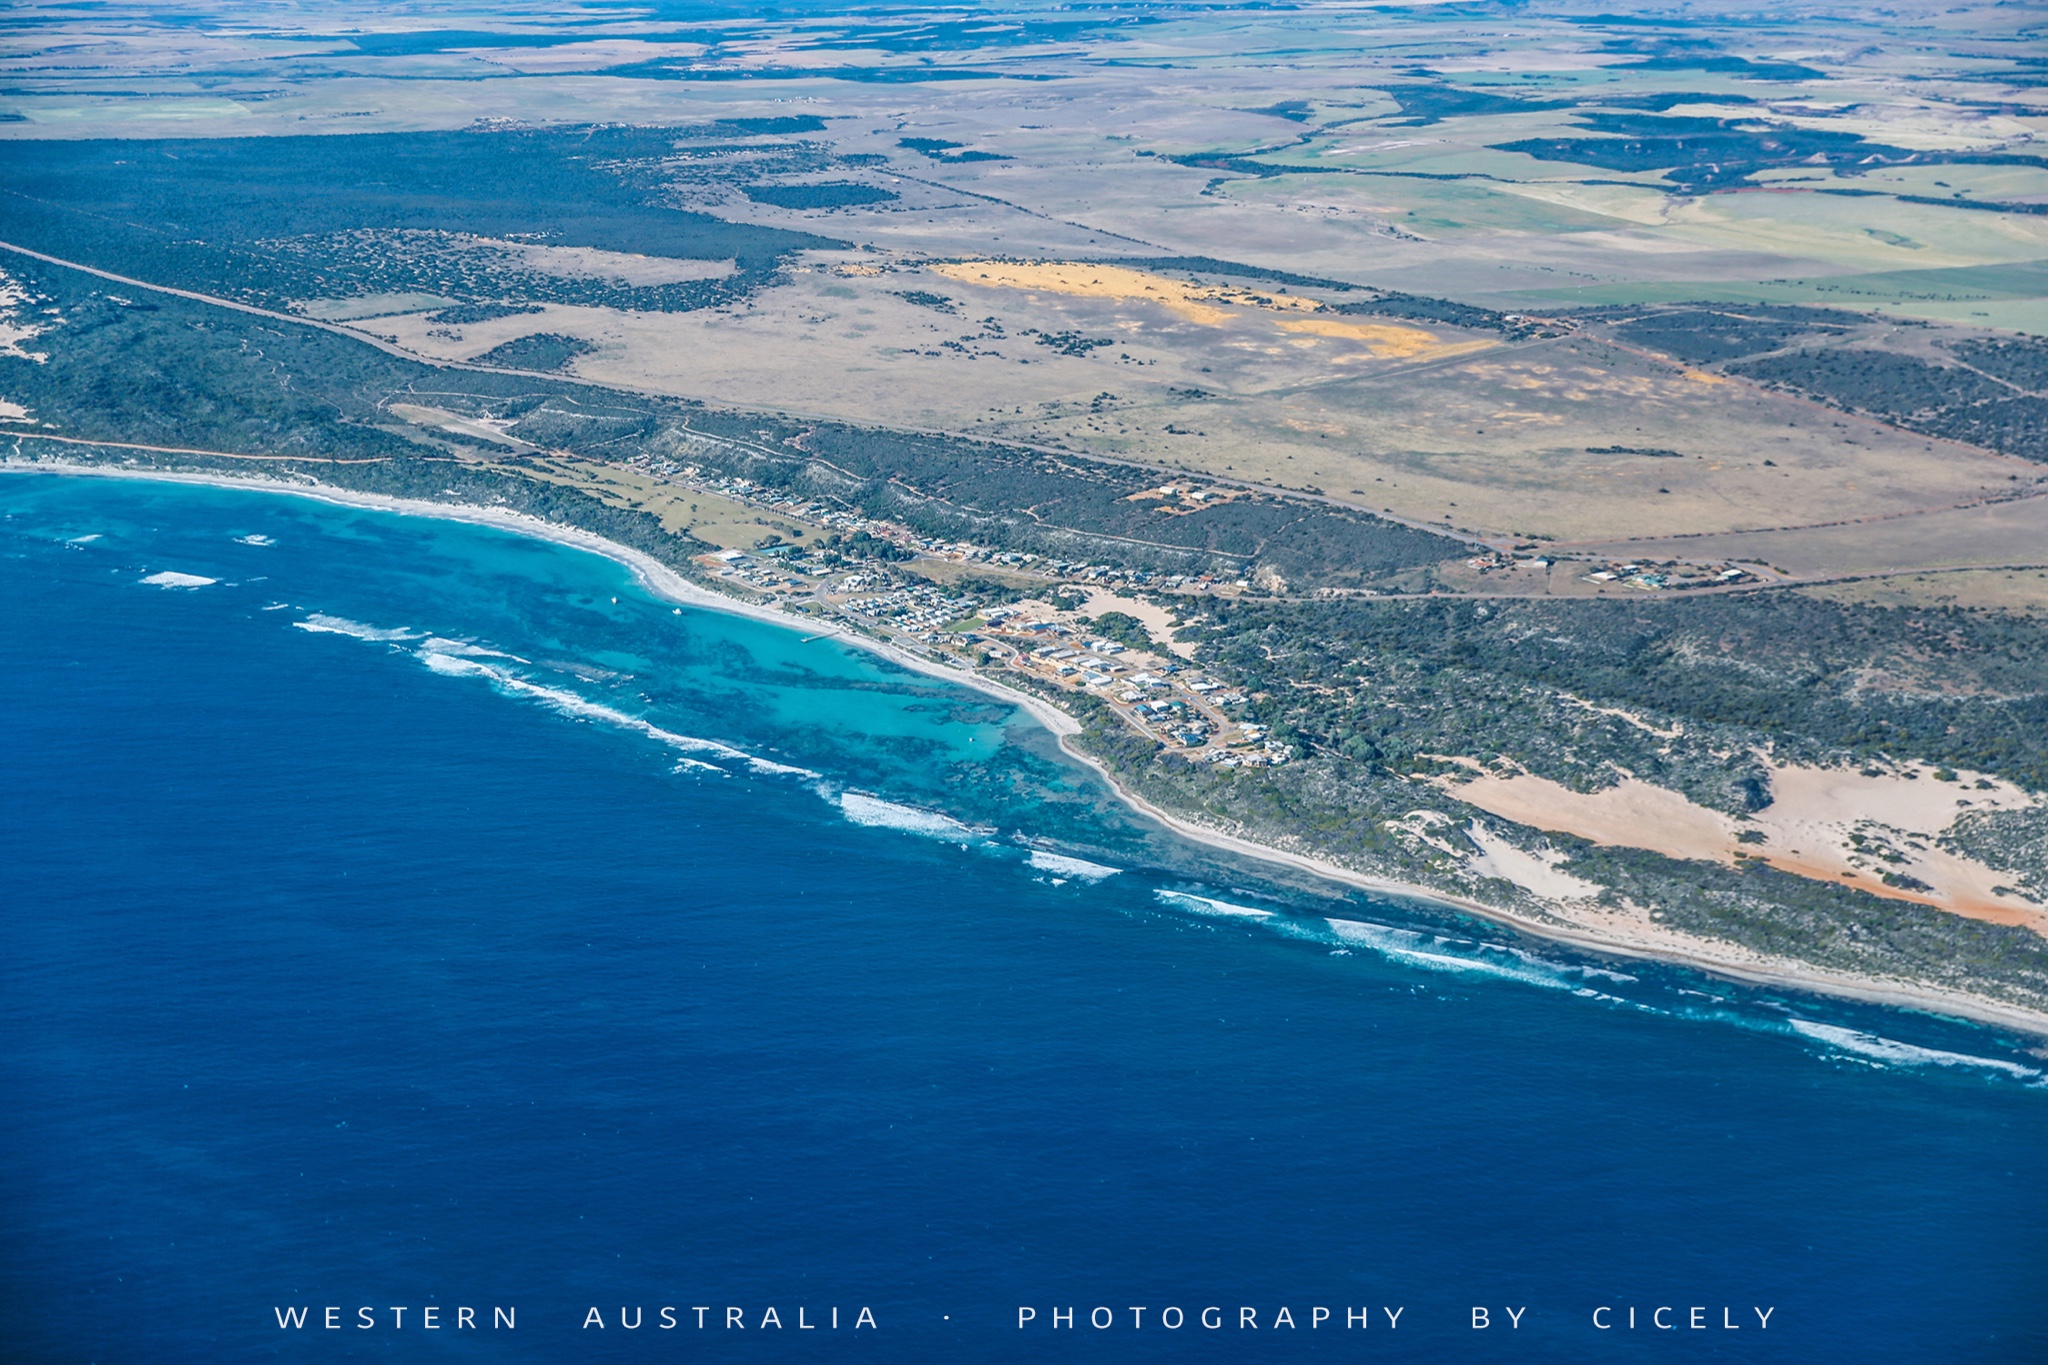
<point x="668" y="585"/>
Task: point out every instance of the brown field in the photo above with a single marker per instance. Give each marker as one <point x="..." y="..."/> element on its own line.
<point x="2013" y="532"/>
<point x="1229" y="375"/>
<point x="712" y="519"/>
<point x="1434" y="425"/>
<point x="2015" y="590"/>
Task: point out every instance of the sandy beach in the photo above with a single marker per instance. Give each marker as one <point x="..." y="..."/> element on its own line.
<point x="1605" y="932"/>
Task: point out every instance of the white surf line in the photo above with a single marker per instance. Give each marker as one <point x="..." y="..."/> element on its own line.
<point x="189" y="450"/>
<point x="665" y="583"/>
<point x="436" y="362"/>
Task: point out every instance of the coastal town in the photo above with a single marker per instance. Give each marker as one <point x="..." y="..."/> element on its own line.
<point x="1051" y="626"/>
<point x="1059" y="628"/>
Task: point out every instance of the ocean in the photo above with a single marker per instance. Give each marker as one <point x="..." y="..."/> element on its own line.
<point x="403" y="914"/>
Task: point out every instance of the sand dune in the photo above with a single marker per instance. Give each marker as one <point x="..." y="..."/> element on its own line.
<point x="1831" y="824"/>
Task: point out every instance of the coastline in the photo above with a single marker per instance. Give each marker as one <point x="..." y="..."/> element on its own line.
<point x="668" y="585"/>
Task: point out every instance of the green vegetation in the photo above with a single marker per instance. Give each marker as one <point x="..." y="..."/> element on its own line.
<point x="1370" y="692"/>
<point x="1066" y="507"/>
<point x="1125" y="629"/>
<point x="1389" y="303"/>
<point x="1938" y="400"/>
<point x="276" y="220"/>
<point x="1536" y="682"/>
<point x="774" y="126"/>
<point x="166" y="371"/>
<point x="924" y="298"/>
<point x="940" y="149"/>
<point x="2019" y="361"/>
<point x="1374" y="821"/>
<point x="2014" y="841"/>
<point x="837" y="194"/>
<point x="1992" y="397"/>
<point x="464" y="314"/>
<point x="1680" y="693"/>
<point x="1701" y="154"/>
<point x="1209" y="265"/>
<point x="1706" y="333"/>
<point x="1422" y="105"/>
<point x="1073" y="343"/>
<point x="540" y="351"/>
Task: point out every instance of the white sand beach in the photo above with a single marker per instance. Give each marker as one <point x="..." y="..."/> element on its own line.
<point x="1627" y="932"/>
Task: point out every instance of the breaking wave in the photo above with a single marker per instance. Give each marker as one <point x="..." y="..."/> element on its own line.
<point x="1413" y="948"/>
<point x="579" y="707"/>
<point x="171" y="578"/>
<point x="466" y="659"/>
<point x="321" y="624"/>
<point x="1890" y="1052"/>
<point x="1203" y="905"/>
<point x="1081" y="869"/>
<point x="1436" y="953"/>
<point x="873" y="811"/>
<point x="437" y="645"/>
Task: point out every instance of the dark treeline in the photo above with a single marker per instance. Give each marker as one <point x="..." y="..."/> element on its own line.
<point x="1064" y="506"/>
<point x="159" y="370"/>
<point x="1382" y="680"/>
<point x="274" y="220"/>
<point x="1813" y="351"/>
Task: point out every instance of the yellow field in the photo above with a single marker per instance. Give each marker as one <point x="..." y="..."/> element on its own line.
<point x="1384" y="340"/>
<point x="1081" y="279"/>
<point x="1207" y="305"/>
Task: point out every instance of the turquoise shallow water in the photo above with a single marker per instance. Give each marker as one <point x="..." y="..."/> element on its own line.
<point x="419" y="914"/>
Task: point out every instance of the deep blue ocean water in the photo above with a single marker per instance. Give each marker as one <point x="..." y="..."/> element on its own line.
<point x="420" y="914"/>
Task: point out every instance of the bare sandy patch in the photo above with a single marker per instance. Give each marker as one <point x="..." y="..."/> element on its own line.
<point x="1631" y="814"/>
<point x="13" y="329"/>
<point x="588" y="262"/>
<point x="1831" y="824"/>
<point x="366" y="306"/>
<point x="482" y="428"/>
<point x="1532" y="872"/>
<point x="1158" y="621"/>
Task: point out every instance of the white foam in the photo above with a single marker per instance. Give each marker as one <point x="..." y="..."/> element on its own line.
<point x="1064" y="866"/>
<point x="1434" y="952"/>
<point x="84" y="539"/>
<point x="1203" y="905"/>
<point x="170" y="578"/>
<point x="321" y="624"/>
<point x="254" y="538"/>
<point x="1428" y="951"/>
<point x="463" y="658"/>
<point x="582" y="708"/>
<point x="769" y="765"/>
<point x="863" y="809"/>
<point x="438" y="645"/>
<point x="1902" y="1054"/>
